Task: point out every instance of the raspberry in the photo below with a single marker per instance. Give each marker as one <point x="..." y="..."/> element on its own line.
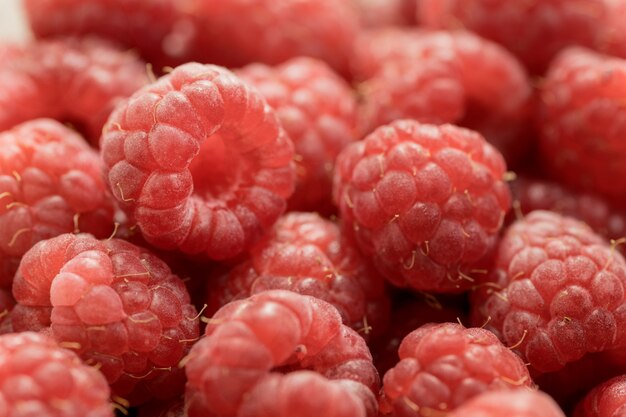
<point x="73" y="81"/>
<point x="444" y="365"/>
<point x="442" y="77"/>
<point x="39" y="378"/>
<point x="199" y="161"/>
<point x="318" y="111"/>
<point x="50" y="183"/>
<point x="116" y="305"/>
<point x="307" y="254"/>
<point x="606" y="400"/>
<point x="377" y="13"/>
<point x="602" y="217"/>
<point x="426" y="202"/>
<point x="556" y="291"/>
<point x="157" y="29"/>
<point x="230" y="370"/>
<point x="581" y="121"/>
<point x="514" y="403"/>
<point x="535" y="31"/>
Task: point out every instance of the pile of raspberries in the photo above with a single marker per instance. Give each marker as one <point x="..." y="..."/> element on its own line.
<point x="314" y="208"/>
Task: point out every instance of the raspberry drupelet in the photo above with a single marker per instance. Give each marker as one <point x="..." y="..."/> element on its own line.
<point x="425" y="202"/>
<point x="39" y="378"/>
<point x="50" y="184"/>
<point x="116" y="305"/>
<point x="442" y="366"/>
<point x="280" y="353"/>
<point x="582" y="122"/>
<point x="308" y="254"/>
<point x="199" y="161"/>
<point x="605" y="400"/>
<point x="317" y="108"/>
<point x="73" y="81"/>
<point x="513" y="403"/>
<point x="556" y="292"/>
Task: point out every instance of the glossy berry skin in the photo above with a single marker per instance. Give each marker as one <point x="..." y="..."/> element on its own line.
<point x="514" y="403"/>
<point x="535" y="31"/>
<point x="39" y="378"/>
<point x="50" y="184"/>
<point x="116" y="305"/>
<point x="605" y="400"/>
<point x="74" y="81"/>
<point x="425" y="202"/>
<point x="442" y="366"/>
<point x="556" y="291"/>
<point x="280" y="353"/>
<point x="317" y="108"/>
<point x="582" y="122"/>
<point x="308" y="254"/>
<point x="199" y="161"/>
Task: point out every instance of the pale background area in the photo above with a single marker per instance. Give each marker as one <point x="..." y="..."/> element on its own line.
<point x="13" y="26"/>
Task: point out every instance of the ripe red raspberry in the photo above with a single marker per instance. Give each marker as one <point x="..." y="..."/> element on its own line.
<point x="426" y="202"/>
<point x="378" y="13"/>
<point x="535" y="31"/>
<point x="318" y="111"/>
<point x="116" y="305"/>
<point x="444" y="365"/>
<point x="606" y="400"/>
<point x="557" y="291"/>
<point x="38" y="378"/>
<point x="582" y="122"/>
<point x="309" y="255"/>
<point x="50" y="183"/>
<point x="535" y="194"/>
<point x="443" y="77"/>
<point x="239" y="367"/>
<point x="77" y="82"/>
<point x="200" y="162"/>
<point x="514" y="403"/>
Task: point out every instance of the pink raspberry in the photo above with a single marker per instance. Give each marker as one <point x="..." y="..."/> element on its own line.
<point x="444" y="365"/>
<point x="426" y="202"/>
<point x="582" y="122"/>
<point x="39" y="378"/>
<point x="309" y="255"/>
<point x="535" y="31"/>
<point x="74" y="81"/>
<point x="50" y="184"/>
<point x="606" y="400"/>
<point x="239" y="367"/>
<point x="116" y="305"/>
<point x="378" y="13"/>
<point x="556" y="291"/>
<point x="318" y="111"/>
<point x="199" y="161"/>
<point x="443" y="77"/>
<point x="605" y="219"/>
<point x="515" y="403"/>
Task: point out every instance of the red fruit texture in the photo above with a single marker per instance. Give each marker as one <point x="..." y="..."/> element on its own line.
<point x="230" y="33"/>
<point x="238" y="368"/>
<point x="379" y="13"/>
<point x="50" y="184"/>
<point x="538" y="194"/>
<point x="172" y="408"/>
<point x="199" y="161"/>
<point x="318" y="111"/>
<point x="556" y="291"/>
<point x="116" y="305"/>
<point x="582" y="122"/>
<point x="536" y="30"/>
<point x="425" y="202"/>
<point x="74" y="81"/>
<point x="606" y="400"/>
<point x="514" y="403"/>
<point x="7" y="302"/>
<point x="443" y="77"/>
<point x="308" y="254"/>
<point x="442" y="366"/>
<point x="39" y="378"/>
